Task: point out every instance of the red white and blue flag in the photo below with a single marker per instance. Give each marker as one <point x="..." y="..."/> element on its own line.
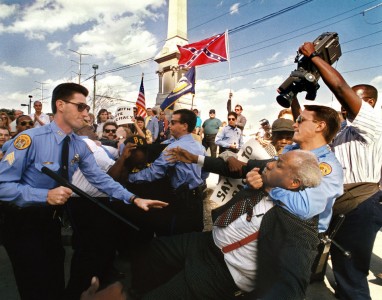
<point x="141" y="102"/>
<point x="211" y="50"/>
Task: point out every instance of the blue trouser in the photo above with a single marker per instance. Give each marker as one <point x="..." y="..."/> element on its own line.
<point x="357" y="235"/>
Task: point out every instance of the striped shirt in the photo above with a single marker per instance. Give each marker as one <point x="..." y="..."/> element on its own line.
<point x="358" y="147"/>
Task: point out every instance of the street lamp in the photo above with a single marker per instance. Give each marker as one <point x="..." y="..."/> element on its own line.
<point x="95" y="67"/>
<point x="29" y="105"/>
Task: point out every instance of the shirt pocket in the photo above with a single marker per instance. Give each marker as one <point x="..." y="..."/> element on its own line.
<point x="55" y="167"/>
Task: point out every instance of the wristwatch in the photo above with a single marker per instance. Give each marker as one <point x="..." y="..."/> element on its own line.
<point x="314" y="54"/>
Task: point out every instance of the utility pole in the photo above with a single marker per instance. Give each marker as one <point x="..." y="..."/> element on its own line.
<point x="79" y="64"/>
<point x="42" y="89"/>
<point x="95" y="67"/>
<point x="29" y="105"/>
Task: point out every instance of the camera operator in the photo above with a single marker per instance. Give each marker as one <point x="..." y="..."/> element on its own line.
<point x="358" y="147"/>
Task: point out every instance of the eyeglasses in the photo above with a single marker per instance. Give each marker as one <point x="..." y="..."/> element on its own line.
<point x="237" y="109"/>
<point x="110" y="130"/>
<point x="173" y="122"/>
<point x="301" y="119"/>
<point x="23" y="123"/>
<point x="80" y="106"/>
<point x="231" y="119"/>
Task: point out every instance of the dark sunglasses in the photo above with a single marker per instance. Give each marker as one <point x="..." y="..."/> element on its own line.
<point x="23" y="123"/>
<point x="301" y="119"/>
<point x="173" y="122"/>
<point x="110" y="130"/>
<point x="80" y="106"/>
<point x="231" y="119"/>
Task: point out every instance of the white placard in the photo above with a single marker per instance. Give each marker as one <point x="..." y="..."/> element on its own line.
<point x="124" y="115"/>
<point x="228" y="187"/>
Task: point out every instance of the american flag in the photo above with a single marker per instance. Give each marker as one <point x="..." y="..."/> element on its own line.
<point x="211" y="50"/>
<point x="141" y="101"/>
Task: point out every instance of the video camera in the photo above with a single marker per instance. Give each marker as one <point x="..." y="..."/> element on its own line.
<point x="306" y="76"/>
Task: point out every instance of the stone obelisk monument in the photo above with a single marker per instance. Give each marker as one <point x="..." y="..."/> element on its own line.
<point x="167" y="59"/>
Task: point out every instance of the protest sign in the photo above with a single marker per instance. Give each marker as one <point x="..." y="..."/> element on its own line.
<point x="228" y="187"/>
<point x="124" y="115"/>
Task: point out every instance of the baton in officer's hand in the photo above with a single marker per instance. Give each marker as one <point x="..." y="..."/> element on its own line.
<point x="62" y="181"/>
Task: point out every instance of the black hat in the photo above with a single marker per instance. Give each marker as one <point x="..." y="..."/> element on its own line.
<point x="264" y="122"/>
<point x="282" y="125"/>
<point x="136" y="139"/>
<point x="212" y="111"/>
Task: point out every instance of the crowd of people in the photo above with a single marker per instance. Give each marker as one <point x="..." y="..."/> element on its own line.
<point x="145" y="182"/>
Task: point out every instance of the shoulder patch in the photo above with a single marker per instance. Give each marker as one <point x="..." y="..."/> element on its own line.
<point x="10" y="158"/>
<point x="325" y="168"/>
<point x="22" y="142"/>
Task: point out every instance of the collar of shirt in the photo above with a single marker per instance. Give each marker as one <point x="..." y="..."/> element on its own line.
<point x="59" y="134"/>
<point x="318" y="151"/>
<point x="187" y="136"/>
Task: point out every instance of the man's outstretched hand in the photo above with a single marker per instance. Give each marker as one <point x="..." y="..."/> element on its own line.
<point x="178" y="154"/>
<point x="146" y="204"/>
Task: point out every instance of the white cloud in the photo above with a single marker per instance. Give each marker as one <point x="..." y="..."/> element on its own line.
<point x="54" y="48"/>
<point x="274" y="56"/>
<point x="19" y="71"/>
<point x="44" y="17"/>
<point x="377" y="82"/>
<point x="234" y="9"/>
<point x="121" y="39"/>
<point x="7" y="10"/>
<point x="272" y="81"/>
<point x="289" y="60"/>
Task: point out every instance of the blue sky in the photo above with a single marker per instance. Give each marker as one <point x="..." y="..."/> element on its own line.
<point x="35" y="37"/>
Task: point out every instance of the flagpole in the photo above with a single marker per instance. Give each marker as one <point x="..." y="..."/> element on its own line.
<point x="229" y="71"/>
<point x="192" y="101"/>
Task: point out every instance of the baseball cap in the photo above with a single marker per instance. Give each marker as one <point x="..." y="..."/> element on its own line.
<point x="136" y="139"/>
<point x="212" y="111"/>
<point x="282" y="125"/>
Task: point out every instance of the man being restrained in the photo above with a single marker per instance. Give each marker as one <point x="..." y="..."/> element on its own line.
<point x="220" y="263"/>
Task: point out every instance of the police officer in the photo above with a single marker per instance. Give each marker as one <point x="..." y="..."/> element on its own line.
<point x="186" y="180"/>
<point x="32" y="232"/>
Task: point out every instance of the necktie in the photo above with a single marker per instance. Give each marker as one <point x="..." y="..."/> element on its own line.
<point x="240" y="207"/>
<point x="65" y="158"/>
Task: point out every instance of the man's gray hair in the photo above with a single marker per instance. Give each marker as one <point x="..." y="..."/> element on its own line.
<point x="306" y="169"/>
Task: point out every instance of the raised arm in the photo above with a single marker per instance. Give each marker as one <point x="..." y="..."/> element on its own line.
<point x="333" y="79"/>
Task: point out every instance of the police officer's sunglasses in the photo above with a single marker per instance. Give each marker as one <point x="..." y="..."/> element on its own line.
<point x="301" y="119"/>
<point x="80" y="106"/>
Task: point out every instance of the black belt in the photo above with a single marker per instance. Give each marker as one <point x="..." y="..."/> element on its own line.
<point x="46" y="210"/>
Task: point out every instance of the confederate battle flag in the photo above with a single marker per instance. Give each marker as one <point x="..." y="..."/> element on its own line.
<point x="211" y="50"/>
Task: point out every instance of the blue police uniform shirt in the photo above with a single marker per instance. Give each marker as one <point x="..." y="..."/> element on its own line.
<point x="179" y="172"/>
<point x="21" y="179"/>
<point x="319" y="200"/>
<point x="228" y="136"/>
<point x="6" y="145"/>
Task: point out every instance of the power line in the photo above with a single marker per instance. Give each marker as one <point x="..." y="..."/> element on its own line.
<point x="231" y="31"/>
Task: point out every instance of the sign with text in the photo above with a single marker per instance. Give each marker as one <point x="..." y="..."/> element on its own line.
<point x="228" y="187"/>
<point x="124" y="115"/>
